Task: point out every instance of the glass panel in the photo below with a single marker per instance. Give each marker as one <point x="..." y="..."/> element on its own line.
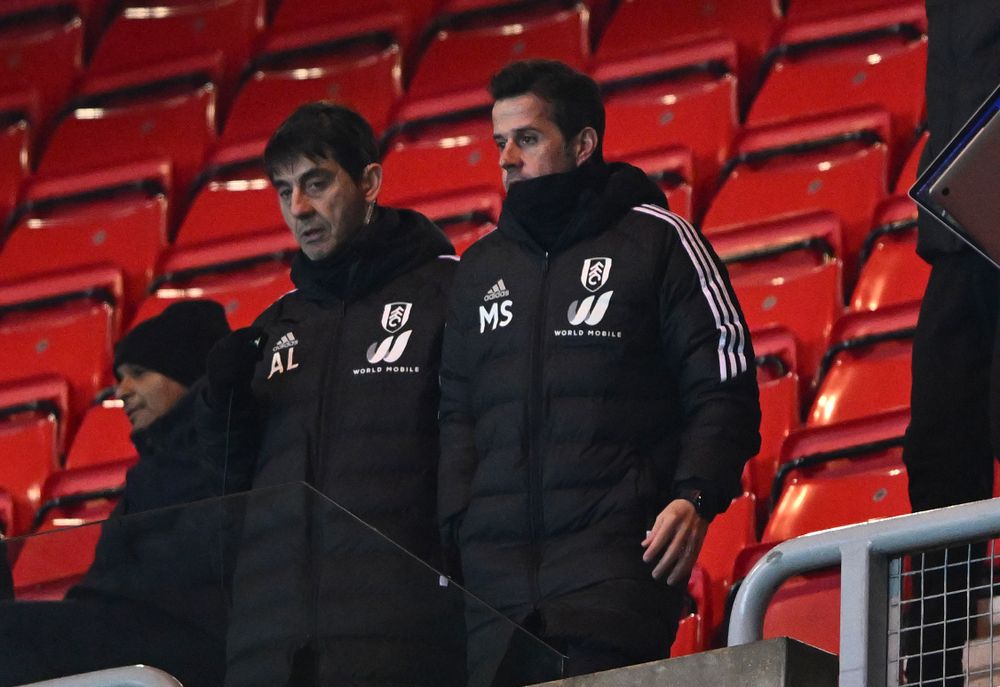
<point x="278" y="586"/>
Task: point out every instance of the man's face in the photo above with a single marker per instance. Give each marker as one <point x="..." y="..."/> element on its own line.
<point x="147" y="395"/>
<point x="321" y="204"/>
<point x="530" y="143"/>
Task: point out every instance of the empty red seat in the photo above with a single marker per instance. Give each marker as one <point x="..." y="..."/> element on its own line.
<point x="235" y="199"/>
<point x="176" y="29"/>
<point x="690" y="637"/>
<point x="46" y="565"/>
<point x="683" y="96"/>
<point x="673" y="171"/>
<point x="464" y="217"/>
<point x="807" y="608"/>
<point x="867" y="58"/>
<point x="403" y="20"/>
<point x="32" y="423"/>
<point x="908" y="176"/>
<point x="779" y="384"/>
<point x="118" y="120"/>
<point x="649" y="26"/>
<point x="840" y="474"/>
<point x="867" y="367"/>
<point x="41" y="50"/>
<point x="836" y="163"/>
<point x="729" y="533"/>
<point x="454" y="70"/>
<point x="79" y="496"/>
<point x="14" y="156"/>
<point x="62" y="323"/>
<point x="244" y="275"/>
<point x="103" y="437"/>
<point x="114" y="216"/>
<point x="363" y="75"/>
<point x="786" y="273"/>
<point x="891" y="270"/>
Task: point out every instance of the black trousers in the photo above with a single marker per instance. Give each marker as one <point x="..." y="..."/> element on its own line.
<point x="45" y="640"/>
<point x="949" y="446"/>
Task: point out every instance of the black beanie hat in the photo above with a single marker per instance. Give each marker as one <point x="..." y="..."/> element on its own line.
<point x="176" y="342"/>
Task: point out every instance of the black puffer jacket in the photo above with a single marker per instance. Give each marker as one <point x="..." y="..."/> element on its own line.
<point x="170" y="560"/>
<point x="579" y="384"/>
<point x="347" y="393"/>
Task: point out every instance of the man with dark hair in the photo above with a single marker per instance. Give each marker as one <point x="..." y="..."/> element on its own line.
<point x="347" y="395"/>
<point x="599" y="393"/>
<point x="154" y="592"/>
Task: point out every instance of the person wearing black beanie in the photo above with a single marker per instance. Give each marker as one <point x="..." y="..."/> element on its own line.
<point x="154" y="593"/>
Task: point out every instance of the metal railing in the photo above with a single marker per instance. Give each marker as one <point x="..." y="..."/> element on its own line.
<point x="866" y="554"/>
<point x="128" y="676"/>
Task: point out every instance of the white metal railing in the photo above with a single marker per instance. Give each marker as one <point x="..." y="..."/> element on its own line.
<point x="128" y="676"/>
<point x="863" y="552"/>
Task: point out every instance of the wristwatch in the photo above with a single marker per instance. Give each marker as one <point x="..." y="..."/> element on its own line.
<point x="701" y="503"/>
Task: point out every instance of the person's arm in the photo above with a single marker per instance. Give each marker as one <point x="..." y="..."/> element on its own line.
<point x="458" y="450"/>
<point x="707" y="345"/>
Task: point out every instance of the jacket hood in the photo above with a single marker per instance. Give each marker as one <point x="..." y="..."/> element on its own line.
<point x="397" y="242"/>
<point x="599" y="195"/>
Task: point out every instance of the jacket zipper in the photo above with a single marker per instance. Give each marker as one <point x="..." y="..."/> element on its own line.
<point x="536" y="514"/>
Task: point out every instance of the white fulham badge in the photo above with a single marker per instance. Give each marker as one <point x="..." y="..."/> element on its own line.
<point x="394" y="318"/>
<point x="591" y="309"/>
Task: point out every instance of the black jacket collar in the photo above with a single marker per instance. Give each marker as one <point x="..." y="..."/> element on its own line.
<point x="395" y="243"/>
<point x="591" y="199"/>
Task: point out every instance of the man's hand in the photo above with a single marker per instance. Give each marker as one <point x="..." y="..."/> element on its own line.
<point x="674" y="541"/>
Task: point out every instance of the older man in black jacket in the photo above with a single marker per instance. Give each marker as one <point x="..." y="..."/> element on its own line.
<point x="599" y="393"/>
<point x="154" y="592"/>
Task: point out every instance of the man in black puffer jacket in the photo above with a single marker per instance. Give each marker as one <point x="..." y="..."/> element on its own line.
<point x="599" y="393"/>
<point x="154" y="593"/>
<point x="346" y="389"/>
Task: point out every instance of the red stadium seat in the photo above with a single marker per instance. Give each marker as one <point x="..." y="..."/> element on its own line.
<point x="103" y="437"/>
<point x="32" y="422"/>
<point x="15" y="147"/>
<point x="873" y="58"/>
<point x="729" y="533"/>
<point x="41" y="50"/>
<point x="834" y="163"/>
<point x="234" y="199"/>
<point x="690" y="636"/>
<point x="363" y="75"/>
<point x="79" y="496"/>
<point x="786" y="273"/>
<point x="177" y="29"/>
<point x="482" y="45"/>
<point x="682" y="96"/>
<point x="46" y="565"/>
<point x="807" y="608"/>
<point x="464" y="217"/>
<point x="840" y="474"/>
<point x="779" y="384"/>
<point x="867" y="368"/>
<point x="244" y="275"/>
<point x="891" y="270"/>
<point x="673" y="171"/>
<point x="175" y="121"/>
<point x="117" y="216"/>
<point x="6" y="513"/>
<point x="650" y="26"/>
<point x="62" y="323"/>
<point x="908" y="177"/>
<point x="402" y="19"/>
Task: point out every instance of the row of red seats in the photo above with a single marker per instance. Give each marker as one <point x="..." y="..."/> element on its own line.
<point x="682" y="88"/>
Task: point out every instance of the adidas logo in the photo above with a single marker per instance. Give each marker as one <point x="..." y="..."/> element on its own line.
<point x="498" y="290"/>
<point x="287" y="341"/>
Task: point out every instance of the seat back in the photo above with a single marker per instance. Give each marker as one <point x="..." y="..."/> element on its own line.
<point x="103" y="437"/>
<point x="891" y="271"/>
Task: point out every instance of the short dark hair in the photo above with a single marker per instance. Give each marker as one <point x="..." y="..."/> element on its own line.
<point x="574" y="97"/>
<point x="322" y="131"/>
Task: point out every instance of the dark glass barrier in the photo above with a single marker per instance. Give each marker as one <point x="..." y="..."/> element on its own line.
<point x="278" y="586"/>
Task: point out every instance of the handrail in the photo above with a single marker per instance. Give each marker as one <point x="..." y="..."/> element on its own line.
<point x="128" y="676"/>
<point x="862" y="552"/>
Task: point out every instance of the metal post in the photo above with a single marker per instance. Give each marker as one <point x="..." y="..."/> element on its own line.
<point x="864" y="581"/>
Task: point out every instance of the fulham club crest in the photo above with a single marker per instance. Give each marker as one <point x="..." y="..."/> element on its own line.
<point x="595" y="273"/>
